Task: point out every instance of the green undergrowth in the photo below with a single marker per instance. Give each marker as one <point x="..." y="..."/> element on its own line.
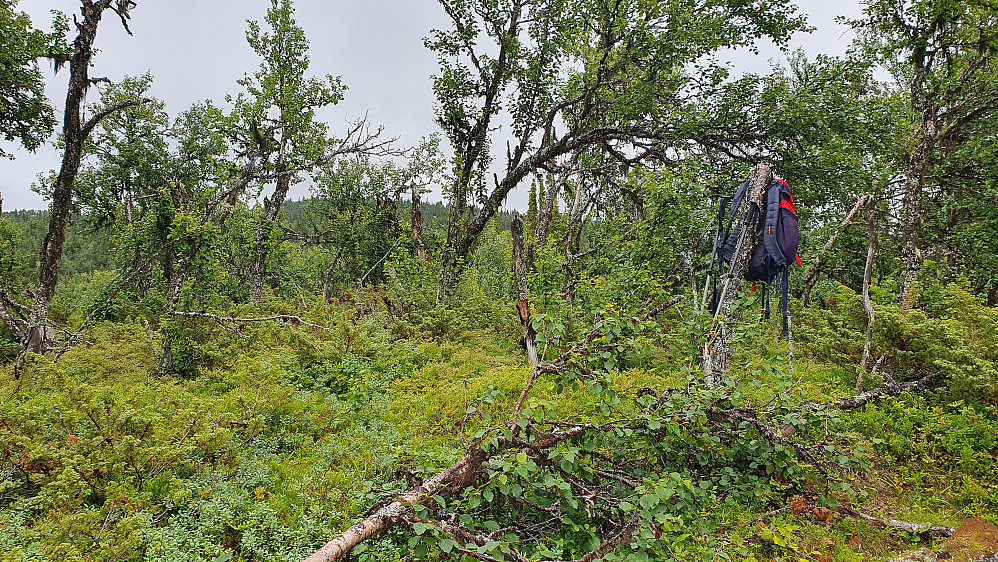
<point x="276" y="436"/>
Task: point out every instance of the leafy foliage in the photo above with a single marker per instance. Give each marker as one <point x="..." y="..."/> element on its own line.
<point x="25" y="113"/>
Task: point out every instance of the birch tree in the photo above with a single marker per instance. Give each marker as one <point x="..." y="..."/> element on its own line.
<point x="571" y="75"/>
<point x="75" y="132"/>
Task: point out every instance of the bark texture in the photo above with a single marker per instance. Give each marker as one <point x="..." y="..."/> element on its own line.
<point x="458" y="476"/>
<point x="520" y="271"/>
<point x="75" y="133"/>
<point x="455" y="478"/>
<point x="915" y="168"/>
<point x="262" y="237"/>
<point x="893" y="389"/>
<point x="717" y="352"/>
<point x="556" y="183"/>
<point x="417" y="224"/>
<point x="867" y="304"/>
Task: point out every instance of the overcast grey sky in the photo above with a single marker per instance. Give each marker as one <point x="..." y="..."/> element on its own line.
<point x="196" y="50"/>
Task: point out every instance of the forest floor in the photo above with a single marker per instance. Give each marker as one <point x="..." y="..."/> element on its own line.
<point x="286" y="435"/>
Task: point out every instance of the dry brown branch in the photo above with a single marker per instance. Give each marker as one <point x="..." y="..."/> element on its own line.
<point x="662" y="307"/>
<point x="622" y="537"/>
<point x="749" y="416"/>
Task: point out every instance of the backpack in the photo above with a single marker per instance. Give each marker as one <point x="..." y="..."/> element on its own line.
<point x="777" y="242"/>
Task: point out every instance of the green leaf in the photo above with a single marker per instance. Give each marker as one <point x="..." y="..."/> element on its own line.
<point x="446" y="545"/>
<point x="648" y="501"/>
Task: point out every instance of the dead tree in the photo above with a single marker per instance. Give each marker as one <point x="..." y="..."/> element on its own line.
<point x="75" y="133"/>
<point x="520" y="270"/>
<point x="556" y="184"/>
<point x="12" y="317"/>
<point x="867" y="304"/>
<point x="719" y="346"/>
<point x="416" y="215"/>
<point x="814" y="271"/>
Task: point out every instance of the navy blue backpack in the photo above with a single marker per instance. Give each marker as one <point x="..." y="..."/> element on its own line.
<point x="776" y="246"/>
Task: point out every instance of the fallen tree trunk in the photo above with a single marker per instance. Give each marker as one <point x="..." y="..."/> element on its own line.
<point x="461" y="472"/>
<point x="919" y="528"/>
<point x="538" y="439"/>
<point x="888" y="390"/>
<point x="296" y="320"/>
<point x="455" y="478"/>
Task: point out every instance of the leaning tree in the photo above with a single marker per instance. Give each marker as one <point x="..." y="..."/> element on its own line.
<point x="571" y="75"/>
<point x="75" y="132"/>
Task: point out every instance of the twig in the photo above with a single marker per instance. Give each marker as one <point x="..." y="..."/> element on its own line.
<point x="662" y="307"/>
<point x="296" y="320"/>
<point x="360" y="281"/>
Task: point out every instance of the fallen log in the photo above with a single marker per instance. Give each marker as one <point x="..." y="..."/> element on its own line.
<point x="296" y="320"/>
<point x="892" y="389"/>
<point x="919" y="528"/>
<point x="461" y="472"/>
<point x="455" y="478"/>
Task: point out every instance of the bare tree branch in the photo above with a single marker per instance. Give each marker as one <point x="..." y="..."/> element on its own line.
<point x="296" y="320"/>
<point x="96" y="119"/>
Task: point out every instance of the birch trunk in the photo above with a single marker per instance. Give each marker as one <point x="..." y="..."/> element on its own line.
<point x="717" y="357"/>
<point x="813" y="272"/>
<point x="75" y="133"/>
<point x="417" y="224"/>
<point x="522" y="298"/>
<point x="867" y="303"/>
<point x="262" y="237"/>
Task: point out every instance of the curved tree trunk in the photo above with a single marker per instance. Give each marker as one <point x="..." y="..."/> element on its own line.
<point x="75" y="133"/>
<point x="867" y="303"/>
<point x="263" y="236"/>
<point x="814" y="271"/>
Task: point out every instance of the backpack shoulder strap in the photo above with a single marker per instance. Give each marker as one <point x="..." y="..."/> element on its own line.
<point x="774" y="195"/>
<point x="735" y="204"/>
